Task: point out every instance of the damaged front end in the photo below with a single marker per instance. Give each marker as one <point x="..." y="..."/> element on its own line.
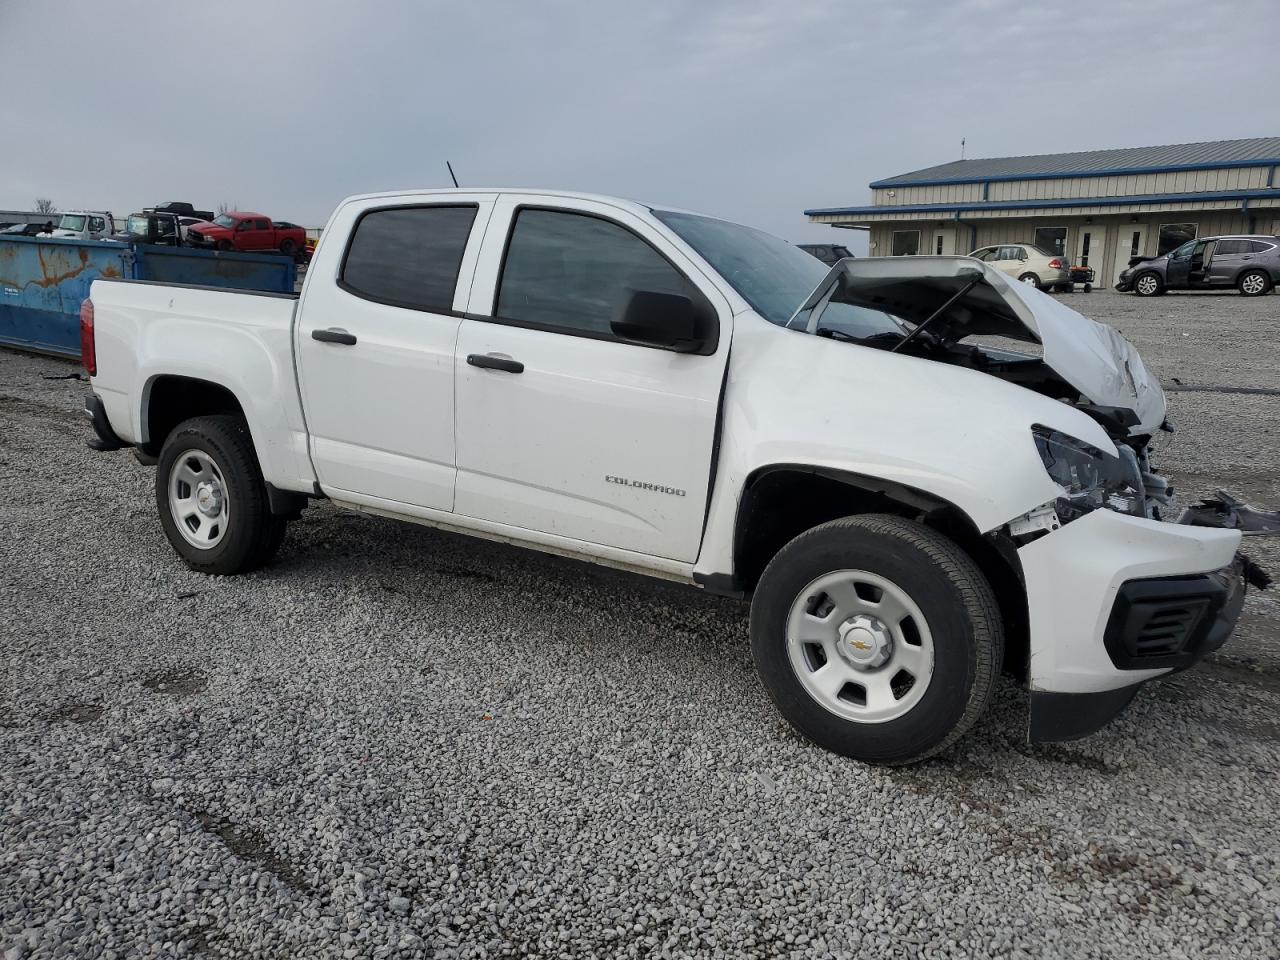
<point x="1113" y="598"/>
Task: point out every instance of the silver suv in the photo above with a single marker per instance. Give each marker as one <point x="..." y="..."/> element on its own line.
<point x="1249" y="263"/>
<point x="1029" y="263"/>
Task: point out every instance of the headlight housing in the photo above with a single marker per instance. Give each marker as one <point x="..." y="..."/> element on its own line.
<point x="1088" y="477"/>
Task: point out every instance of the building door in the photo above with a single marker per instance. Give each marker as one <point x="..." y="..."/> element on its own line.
<point x="1089" y="251"/>
<point x="1133" y="241"/>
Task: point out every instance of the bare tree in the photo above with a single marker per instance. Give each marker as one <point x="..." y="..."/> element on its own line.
<point x="225" y="207"/>
<point x="45" y="205"/>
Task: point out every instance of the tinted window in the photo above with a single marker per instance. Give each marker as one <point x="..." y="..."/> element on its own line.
<point x="408" y="257"/>
<point x="573" y="272"/>
<point x="262" y="224"/>
<point x="1230" y="247"/>
<point x="905" y="243"/>
<point x="1258" y="246"/>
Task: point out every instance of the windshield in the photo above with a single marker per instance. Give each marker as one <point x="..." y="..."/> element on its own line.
<point x="772" y="275"/>
<point x="223" y="220"/>
<point x="71" y="221"/>
<point x="136" y="226"/>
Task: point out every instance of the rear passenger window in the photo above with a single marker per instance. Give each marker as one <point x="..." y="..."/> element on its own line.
<point x="408" y="256"/>
<point x="572" y="272"/>
<point x="1227" y="247"/>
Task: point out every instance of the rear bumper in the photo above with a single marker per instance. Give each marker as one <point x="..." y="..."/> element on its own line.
<point x="105" y="438"/>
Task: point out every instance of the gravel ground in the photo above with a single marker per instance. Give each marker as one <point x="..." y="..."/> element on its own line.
<point x="400" y="743"/>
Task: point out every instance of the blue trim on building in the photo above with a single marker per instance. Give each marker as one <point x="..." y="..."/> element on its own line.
<point x="1075" y="174"/>
<point x="978" y="207"/>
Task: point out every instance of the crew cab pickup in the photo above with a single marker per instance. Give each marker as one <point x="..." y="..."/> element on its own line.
<point x="247" y="232"/>
<point x="678" y="395"/>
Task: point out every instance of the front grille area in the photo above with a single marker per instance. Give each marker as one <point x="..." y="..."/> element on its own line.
<point x="1164" y="622"/>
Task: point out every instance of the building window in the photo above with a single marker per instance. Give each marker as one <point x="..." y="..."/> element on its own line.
<point x="906" y="243"/>
<point x="1086" y="241"/>
<point x="1052" y="240"/>
<point x="1175" y="235"/>
<point x="1135" y="243"/>
<point x="938" y="245"/>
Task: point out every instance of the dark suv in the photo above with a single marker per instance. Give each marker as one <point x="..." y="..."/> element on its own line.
<point x="1251" y="264"/>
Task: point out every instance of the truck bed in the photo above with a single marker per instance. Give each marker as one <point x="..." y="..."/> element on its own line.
<point x="238" y="339"/>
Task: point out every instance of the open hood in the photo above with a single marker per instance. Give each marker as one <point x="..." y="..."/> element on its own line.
<point x="1092" y="357"/>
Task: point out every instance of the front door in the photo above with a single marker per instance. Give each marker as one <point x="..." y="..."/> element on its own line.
<point x="375" y="343"/>
<point x="1089" y="250"/>
<point x="1133" y="243"/>
<point x="563" y="428"/>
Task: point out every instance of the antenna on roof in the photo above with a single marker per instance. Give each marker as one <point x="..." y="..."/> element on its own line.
<point x="452" y="175"/>
<point x="962" y="148"/>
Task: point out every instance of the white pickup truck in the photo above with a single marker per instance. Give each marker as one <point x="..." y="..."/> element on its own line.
<point x="909" y="511"/>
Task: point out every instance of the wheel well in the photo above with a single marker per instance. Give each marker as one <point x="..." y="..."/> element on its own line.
<point x="171" y="400"/>
<point x="780" y="503"/>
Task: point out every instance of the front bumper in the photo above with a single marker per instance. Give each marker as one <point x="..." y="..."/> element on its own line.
<point x="1115" y="600"/>
<point x="1124" y="285"/>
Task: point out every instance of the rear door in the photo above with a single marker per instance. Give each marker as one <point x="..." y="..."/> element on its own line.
<point x="375" y="340"/>
<point x="1228" y="256"/>
<point x="584" y="436"/>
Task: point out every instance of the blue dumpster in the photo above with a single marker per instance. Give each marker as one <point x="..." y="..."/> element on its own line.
<point x="43" y="280"/>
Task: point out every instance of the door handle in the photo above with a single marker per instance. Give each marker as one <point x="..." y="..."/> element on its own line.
<point x="493" y="362"/>
<point x="334" y="335"/>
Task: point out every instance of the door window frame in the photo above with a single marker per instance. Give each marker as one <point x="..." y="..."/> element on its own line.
<point x="342" y="284"/>
<point x="700" y="301"/>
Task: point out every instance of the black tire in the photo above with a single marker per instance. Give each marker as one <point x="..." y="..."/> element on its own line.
<point x="1148" y="285"/>
<point x="1260" y="285"/>
<point x="1031" y="278"/>
<point x="253" y="533"/>
<point x="287" y="248"/>
<point x="951" y="592"/>
<point x="223" y="245"/>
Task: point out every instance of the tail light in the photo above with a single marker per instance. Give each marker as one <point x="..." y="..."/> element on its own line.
<point x="1055" y="264"/>
<point x="88" y="349"/>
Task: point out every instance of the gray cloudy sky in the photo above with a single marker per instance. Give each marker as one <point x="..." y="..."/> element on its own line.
<point x="747" y="110"/>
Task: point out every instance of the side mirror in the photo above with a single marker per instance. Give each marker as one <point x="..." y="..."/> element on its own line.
<point x="665" y="320"/>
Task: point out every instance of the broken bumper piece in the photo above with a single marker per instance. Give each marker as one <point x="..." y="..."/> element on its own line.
<point x="1228" y="513"/>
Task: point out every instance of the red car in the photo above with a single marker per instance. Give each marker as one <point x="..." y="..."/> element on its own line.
<point x="237" y="230"/>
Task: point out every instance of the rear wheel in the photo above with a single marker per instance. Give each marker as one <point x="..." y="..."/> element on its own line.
<point x="1032" y="280"/>
<point x="1254" y="283"/>
<point x="877" y="638"/>
<point x="288" y="247"/>
<point x="1148" y="285"/>
<point x="212" y="499"/>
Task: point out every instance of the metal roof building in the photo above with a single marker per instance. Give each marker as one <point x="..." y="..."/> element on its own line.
<point x="1097" y="207"/>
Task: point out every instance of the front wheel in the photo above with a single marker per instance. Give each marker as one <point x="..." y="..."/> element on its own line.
<point x="877" y="638"/>
<point x="1031" y="280"/>
<point x="212" y="499"/>
<point x="1254" y="283"/>
<point x="1148" y="285"/>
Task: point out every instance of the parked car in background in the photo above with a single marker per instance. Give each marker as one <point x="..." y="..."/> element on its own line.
<point x="24" y="230"/>
<point x="1030" y="264"/>
<point x="150" y="227"/>
<point x="85" y="225"/>
<point x="701" y="401"/>
<point x="828" y="253"/>
<point x="183" y="209"/>
<point x="1250" y="263"/>
<point x="248" y="232"/>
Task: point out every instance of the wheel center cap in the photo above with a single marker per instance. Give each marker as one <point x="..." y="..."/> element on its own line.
<point x="209" y="498"/>
<point x="865" y="642"/>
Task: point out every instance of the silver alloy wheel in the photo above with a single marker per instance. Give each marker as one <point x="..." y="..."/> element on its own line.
<point x="199" y="499"/>
<point x="1253" y="284"/>
<point x="860" y="646"/>
<point x="1147" y="285"/>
